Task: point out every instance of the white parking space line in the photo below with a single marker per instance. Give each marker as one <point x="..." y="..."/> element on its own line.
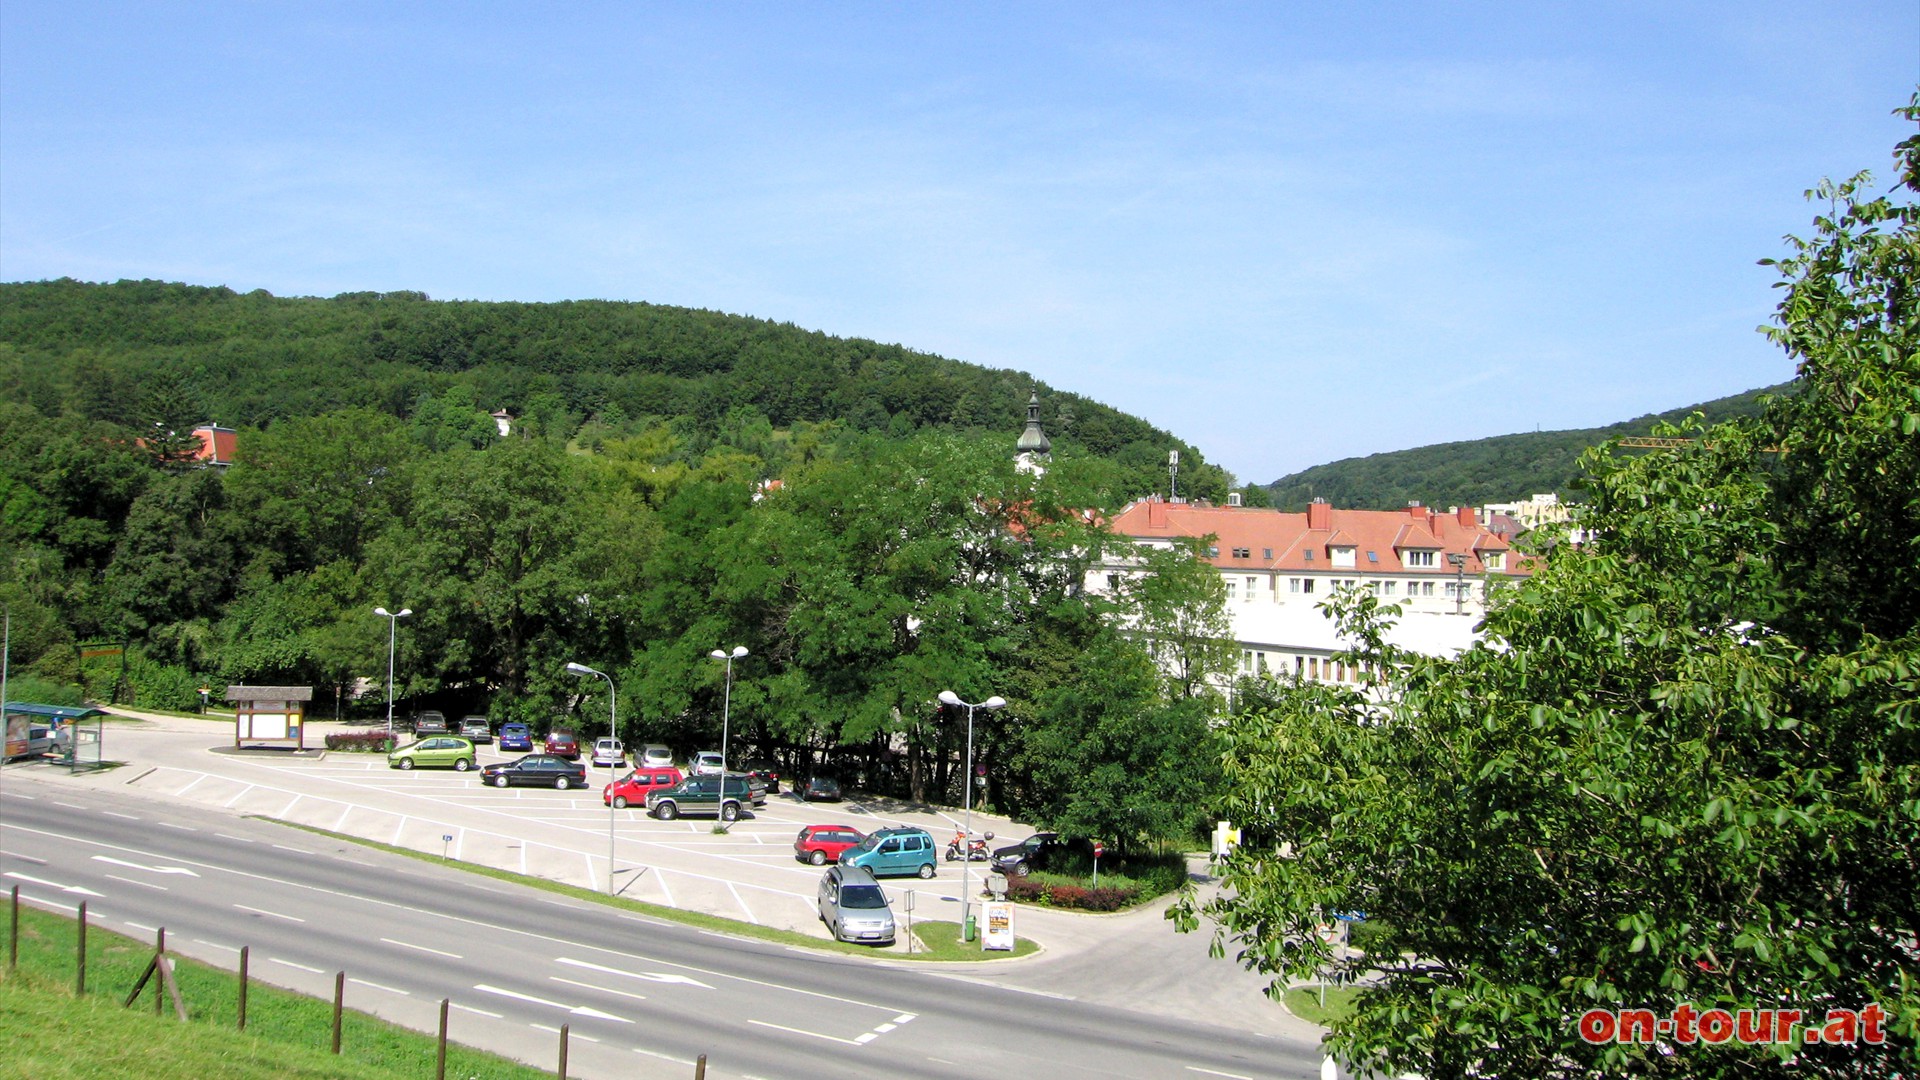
<point x="422" y="948"/>
<point x="243" y="792"/>
<point x="742" y="903"/>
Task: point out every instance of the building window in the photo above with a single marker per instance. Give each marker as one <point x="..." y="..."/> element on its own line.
<point x="1306" y="584"/>
<point x="1243" y="553"/>
<point x="1293" y="584"/>
<point x="1341" y="556"/>
<point x="1416" y="558"/>
<point x="1373" y="556"/>
<point x="1113" y="583"/>
<point x="1495" y="560"/>
<point x="1426" y="588"/>
<point x="1387" y="588"/>
<point x="1308" y="555"/>
<point x="1213" y="552"/>
<point x="1266" y="553"/>
<point x="1230" y="586"/>
<point x="1251" y="584"/>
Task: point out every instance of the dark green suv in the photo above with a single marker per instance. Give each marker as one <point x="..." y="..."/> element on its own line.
<point x="701" y="795"/>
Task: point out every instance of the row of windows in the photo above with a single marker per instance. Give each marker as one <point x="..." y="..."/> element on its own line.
<point x="1254" y="662"/>
<point x="1343" y="556"/>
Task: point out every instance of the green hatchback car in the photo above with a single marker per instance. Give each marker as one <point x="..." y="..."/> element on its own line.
<point x="440" y="751"/>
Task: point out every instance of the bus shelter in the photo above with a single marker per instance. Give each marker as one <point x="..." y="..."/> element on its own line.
<point x="64" y="734"/>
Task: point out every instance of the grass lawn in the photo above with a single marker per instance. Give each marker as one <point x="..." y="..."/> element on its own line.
<point x="1304" y="1002"/>
<point x="941" y="939"/>
<point x="49" y="1034"/>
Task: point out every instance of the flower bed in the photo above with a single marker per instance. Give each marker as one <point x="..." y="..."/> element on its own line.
<point x="361" y="742"/>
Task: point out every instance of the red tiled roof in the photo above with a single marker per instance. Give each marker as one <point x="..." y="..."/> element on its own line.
<point x="1286" y="535"/>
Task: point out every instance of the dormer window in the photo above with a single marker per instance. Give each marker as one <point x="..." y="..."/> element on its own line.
<point x="1243" y="553"/>
<point x="1421" y="557"/>
<point x="1494" y="560"/>
<point x="1342" y="556"/>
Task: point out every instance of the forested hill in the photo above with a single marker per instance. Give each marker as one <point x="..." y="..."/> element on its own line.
<point x="140" y="352"/>
<point x="1500" y="469"/>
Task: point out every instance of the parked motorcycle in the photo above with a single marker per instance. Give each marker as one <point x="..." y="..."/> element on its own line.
<point x="976" y="848"/>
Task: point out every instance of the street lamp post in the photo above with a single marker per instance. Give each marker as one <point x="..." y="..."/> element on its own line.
<point x="726" y="716"/>
<point x="613" y="731"/>
<point x="1459" y="562"/>
<point x="393" y="628"/>
<point x="948" y="697"/>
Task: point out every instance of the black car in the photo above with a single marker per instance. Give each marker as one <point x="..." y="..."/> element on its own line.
<point x="543" y="770"/>
<point x="764" y="771"/>
<point x="1041" y="851"/>
<point x="819" y="787"/>
<point x="430" y="723"/>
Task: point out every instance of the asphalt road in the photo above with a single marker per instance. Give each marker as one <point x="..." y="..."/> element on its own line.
<point x="643" y="996"/>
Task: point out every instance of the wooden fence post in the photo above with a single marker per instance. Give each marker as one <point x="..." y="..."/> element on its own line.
<point x="440" y="1055"/>
<point x="339" y="996"/>
<point x="700" y="1068"/>
<point x="80" y="973"/>
<point x="243" y="988"/>
<point x="563" y="1050"/>
<point x="13" y="935"/>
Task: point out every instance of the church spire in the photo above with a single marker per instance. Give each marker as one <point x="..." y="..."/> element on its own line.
<point x="1033" y="441"/>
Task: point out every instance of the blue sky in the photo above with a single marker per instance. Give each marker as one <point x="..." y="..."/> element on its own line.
<point x="1287" y="233"/>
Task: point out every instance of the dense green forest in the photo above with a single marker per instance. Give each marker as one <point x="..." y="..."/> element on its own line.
<point x="627" y="523"/>
<point x="1473" y="473"/>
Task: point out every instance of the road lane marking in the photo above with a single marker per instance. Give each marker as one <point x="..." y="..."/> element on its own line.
<point x="423" y="948"/>
<point x="242" y="839"/>
<point x="295" y="850"/>
<point x="142" y="884"/>
<point x="68" y="805"/>
<point x="649" y="976"/>
<point x="815" y="1034"/>
<point x="577" y="1010"/>
<point x="905" y="1018"/>
<point x="263" y="911"/>
<point x="291" y="964"/>
<point x="600" y="989"/>
<point x="216" y="945"/>
<point x="182" y="828"/>
<point x="662" y="1057"/>
<point x="377" y="986"/>
<point x="111" y="813"/>
<point x="570" y="1034"/>
<point x="23" y="858"/>
<point x="143" y="927"/>
<point x="478" y="1012"/>
<point x="142" y="866"/>
<point x="78" y="890"/>
<point x="1216" y="1072"/>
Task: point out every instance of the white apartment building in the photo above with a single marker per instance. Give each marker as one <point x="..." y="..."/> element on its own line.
<point x="1279" y="567"/>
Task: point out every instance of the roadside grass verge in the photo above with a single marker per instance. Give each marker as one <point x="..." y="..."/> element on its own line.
<point x="941" y="945"/>
<point x="49" y="1034"/>
<point x="1304" y="1002"/>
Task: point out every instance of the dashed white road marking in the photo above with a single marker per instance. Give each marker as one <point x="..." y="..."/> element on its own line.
<point x="291" y="964"/>
<point x="273" y="914"/>
<point x="815" y="1034"/>
<point x="377" y="986"/>
<point x="422" y="948"/>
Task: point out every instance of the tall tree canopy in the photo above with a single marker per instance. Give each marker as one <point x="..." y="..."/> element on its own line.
<point x="1682" y="771"/>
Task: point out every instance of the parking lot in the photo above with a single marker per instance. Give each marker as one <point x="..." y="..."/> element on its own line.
<point x="748" y="872"/>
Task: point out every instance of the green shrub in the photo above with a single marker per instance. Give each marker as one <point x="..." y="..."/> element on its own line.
<point x="33" y="688"/>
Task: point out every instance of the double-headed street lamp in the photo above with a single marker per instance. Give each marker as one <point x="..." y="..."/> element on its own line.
<point x="613" y="730"/>
<point x="393" y="628"/>
<point x="948" y="697"/>
<point x="726" y="715"/>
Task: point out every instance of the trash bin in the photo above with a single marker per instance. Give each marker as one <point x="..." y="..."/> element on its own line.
<point x="966" y="932"/>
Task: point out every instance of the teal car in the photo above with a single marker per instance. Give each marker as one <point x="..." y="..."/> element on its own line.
<point x="438" y="752"/>
<point x="894" y="851"/>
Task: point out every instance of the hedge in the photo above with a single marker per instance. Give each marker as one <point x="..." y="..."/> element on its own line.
<point x="362" y="742"/>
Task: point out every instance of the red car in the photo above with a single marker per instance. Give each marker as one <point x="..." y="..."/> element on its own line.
<point x="822" y="844"/>
<point x="633" y="787"/>
<point x="563" y="744"/>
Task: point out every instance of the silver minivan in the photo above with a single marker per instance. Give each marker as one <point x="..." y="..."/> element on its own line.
<point x="854" y="906"/>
